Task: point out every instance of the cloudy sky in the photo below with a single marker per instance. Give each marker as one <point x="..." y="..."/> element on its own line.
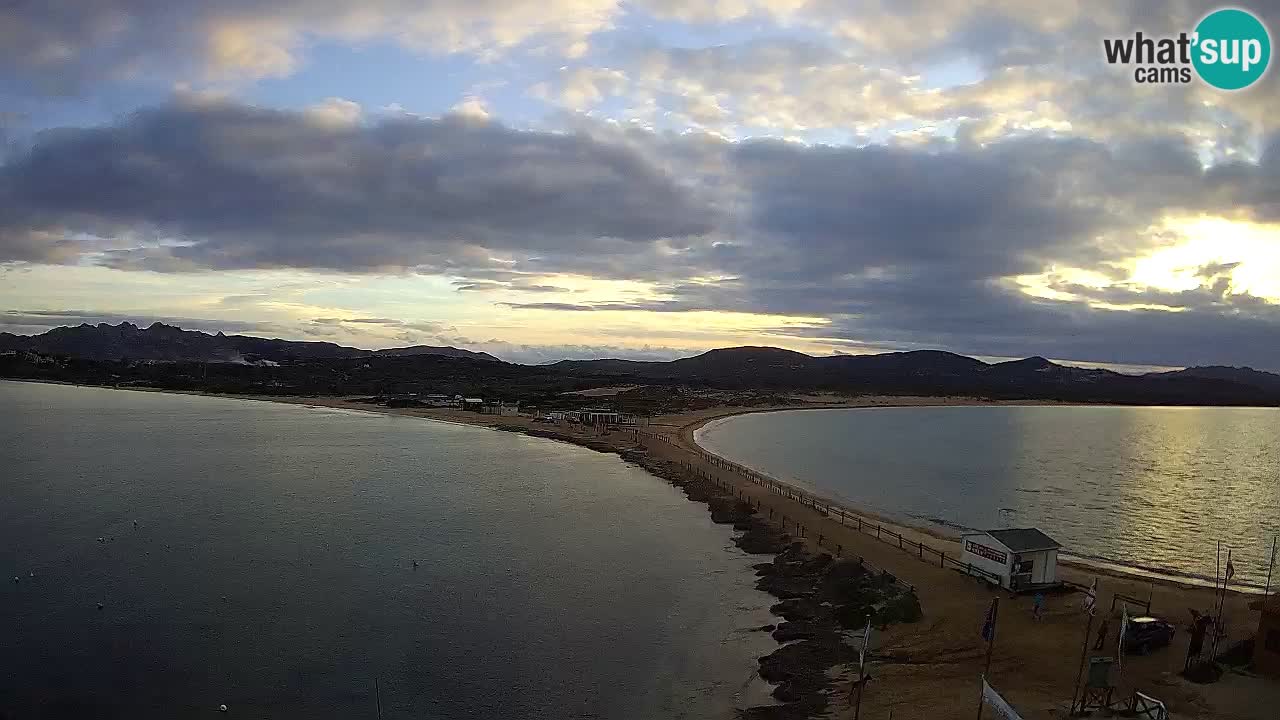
<point x="580" y="178"/>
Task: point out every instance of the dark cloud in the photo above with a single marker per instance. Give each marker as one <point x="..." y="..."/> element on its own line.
<point x="898" y="246"/>
<point x="567" y="307"/>
<point x="218" y="185"/>
<point x="651" y="306"/>
<point x="542" y="354"/>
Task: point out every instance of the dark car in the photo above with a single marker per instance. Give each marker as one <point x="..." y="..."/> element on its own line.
<point x="1146" y="633"/>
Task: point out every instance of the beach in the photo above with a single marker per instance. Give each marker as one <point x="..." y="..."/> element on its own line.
<point x="931" y="668"/>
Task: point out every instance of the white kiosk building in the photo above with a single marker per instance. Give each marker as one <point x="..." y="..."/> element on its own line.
<point x="1021" y="558"/>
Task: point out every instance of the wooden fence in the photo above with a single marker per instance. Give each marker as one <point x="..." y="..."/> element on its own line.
<point x="842" y="515"/>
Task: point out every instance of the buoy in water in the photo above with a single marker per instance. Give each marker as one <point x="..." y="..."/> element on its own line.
<point x="100" y="606"/>
<point x="222" y="708"/>
<point x="102" y="539"/>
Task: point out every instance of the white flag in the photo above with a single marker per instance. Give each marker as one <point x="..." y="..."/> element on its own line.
<point x="997" y="703"/>
<point x="1091" y="597"/>
<point x="1124" y="628"/>
<point x="862" y="654"/>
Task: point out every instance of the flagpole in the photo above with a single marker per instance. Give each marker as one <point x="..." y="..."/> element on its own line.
<point x="1217" y="570"/>
<point x="862" y="663"/>
<point x="1084" y="652"/>
<point x="857" y="708"/>
<point x="1271" y="565"/>
<point x="991" y="643"/>
<point x="1222" y="601"/>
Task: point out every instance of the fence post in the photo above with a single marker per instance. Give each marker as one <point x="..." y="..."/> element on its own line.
<point x="942" y="559"/>
<point x="877" y="532"/>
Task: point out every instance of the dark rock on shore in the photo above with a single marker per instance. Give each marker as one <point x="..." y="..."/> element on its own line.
<point x="821" y="597"/>
<point x="786" y="586"/>
<point x="762" y="539"/>
<point x="799" y="630"/>
<point x="798" y="609"/>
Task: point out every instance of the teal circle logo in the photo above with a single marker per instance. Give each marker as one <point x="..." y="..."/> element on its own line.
<point x="1232" y="49"/>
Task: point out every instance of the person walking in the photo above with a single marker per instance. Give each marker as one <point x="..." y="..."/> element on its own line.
<point x="1037" y="610"/>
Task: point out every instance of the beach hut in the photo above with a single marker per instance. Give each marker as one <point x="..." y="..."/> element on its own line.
<point x="1019" y="559"/>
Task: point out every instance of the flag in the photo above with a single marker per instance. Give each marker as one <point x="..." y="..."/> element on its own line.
<point x="997" y="703"/>
<point x="1231" y="569"/>
<point x="1091" y="597"/>
<point x="989" y="626"/>
<point x="862" y="654"/>
<point x="1124" y="628"/>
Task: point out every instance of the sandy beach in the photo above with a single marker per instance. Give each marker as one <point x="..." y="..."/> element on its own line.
<point x="930" y="669"/>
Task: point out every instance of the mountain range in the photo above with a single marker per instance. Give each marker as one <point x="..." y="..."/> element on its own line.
<point x="170" y="343"/>
<point x="105" y="354"/>
<point x="938" y="373"/>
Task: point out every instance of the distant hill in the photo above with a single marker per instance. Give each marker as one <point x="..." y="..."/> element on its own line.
<point x="933" y="372"/>
<point x="239" y="363"/>
<point x="1243" y="375"/>
<point x="445" y="350"/>
<point x="170" y="343"/>
<point x="768" y="364"/>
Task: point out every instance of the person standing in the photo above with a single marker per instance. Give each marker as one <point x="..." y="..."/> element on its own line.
<point x="1037" y="610"/>
<point x="1102" y="634"/>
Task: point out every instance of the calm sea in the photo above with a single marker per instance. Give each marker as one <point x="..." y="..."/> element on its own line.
<point x="1142" y="487"/>
<point x="271" y="569"/>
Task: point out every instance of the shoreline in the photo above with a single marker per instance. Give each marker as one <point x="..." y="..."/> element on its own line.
<point x="688" y="423"/>
<point x="941" y="530"/>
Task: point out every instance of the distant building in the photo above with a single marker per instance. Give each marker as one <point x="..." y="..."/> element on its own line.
<point x="1020" y="558"/>
<point x="598" y="416"/>
<point x="438" y="400"/>
<point x="473" y="404"/>
<point x="498" y="407"/>
<point x="1266" y="646"/>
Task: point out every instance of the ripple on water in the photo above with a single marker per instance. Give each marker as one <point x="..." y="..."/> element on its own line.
<point x="1153" y="487"/>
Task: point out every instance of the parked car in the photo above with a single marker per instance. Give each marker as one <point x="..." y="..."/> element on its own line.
<point x="1146" y="633"/>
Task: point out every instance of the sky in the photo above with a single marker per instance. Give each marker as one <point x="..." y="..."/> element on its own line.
<point x="648" y="179"/>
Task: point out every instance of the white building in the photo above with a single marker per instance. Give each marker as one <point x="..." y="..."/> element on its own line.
<point x="499" y="407"/>
<point x="1021" y="558"/>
